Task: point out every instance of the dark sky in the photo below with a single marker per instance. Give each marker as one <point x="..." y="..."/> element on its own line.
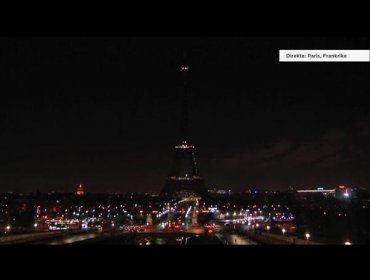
<point x="104" y="111"/>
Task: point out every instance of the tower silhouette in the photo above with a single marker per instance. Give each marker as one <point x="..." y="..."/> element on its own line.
<point x="184" y="179"/>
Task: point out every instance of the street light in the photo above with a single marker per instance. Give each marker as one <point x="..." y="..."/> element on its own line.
<point x="347" y="243"/>
<point x="308" y="236"/>
<point x="268" y="228"/>
<point x="283" y="230"/>
<point x="35" y="225"/>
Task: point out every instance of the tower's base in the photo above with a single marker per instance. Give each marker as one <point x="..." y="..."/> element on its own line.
<point x="184" y="189"/>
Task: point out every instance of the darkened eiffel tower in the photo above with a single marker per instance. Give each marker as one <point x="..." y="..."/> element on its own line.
<point x="184" y="179"/>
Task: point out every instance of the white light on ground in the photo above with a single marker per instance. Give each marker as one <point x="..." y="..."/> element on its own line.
<point x="308" y="236"/>
<point x="347" y="243"/>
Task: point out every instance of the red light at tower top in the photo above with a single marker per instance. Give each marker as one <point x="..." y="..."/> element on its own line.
<point x="184" y="68"/>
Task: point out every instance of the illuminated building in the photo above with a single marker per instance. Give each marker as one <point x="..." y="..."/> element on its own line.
<point x="149" y="220"/>
<point x="344" y="192"/>
<point x="194" y="219"/>
<point x="80" y="190"/>
<point x="323" y="191"/>
<point x="184" y="179"/>
<point x="219" y="191"/>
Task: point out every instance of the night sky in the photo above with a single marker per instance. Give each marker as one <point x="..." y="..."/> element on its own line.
<point x="104" y="112"/>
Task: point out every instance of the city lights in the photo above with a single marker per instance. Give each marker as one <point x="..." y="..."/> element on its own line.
<point x="192" y="215"/>
<point x="86" y="151"/>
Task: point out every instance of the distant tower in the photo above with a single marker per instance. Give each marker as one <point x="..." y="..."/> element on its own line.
<point x="184" y="179"/>
<point x="80" y="190"/>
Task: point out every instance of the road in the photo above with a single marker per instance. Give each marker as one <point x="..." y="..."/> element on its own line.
<point x="65" y="239"/>
<point x="193" y="235"/>
<point x="236" y="239"/>
<point x="154" y="238"/>
<point x="73" y="239"/>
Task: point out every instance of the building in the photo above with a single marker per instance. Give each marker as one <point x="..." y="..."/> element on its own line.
<point x="219" y="192"/>
<point x="344" y="193"/>
<point x="184" y="179"/>
<point x="325" y="192"/>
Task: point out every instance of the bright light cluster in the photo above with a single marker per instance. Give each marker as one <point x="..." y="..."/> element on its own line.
<point x="184" y="146"/>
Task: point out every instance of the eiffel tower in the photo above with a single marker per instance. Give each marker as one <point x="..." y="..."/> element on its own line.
<point x="184" y="180"/>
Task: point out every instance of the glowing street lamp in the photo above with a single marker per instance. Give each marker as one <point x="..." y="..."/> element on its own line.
<point x="283" y="230"/>
<point x="268" y="228"/>
<point x="35" y="225"/>
<point x="8" y="227"/>
<point x="347" y="243"/>
<point x="307" y="236"/>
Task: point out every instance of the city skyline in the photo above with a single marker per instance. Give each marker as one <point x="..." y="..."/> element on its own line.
<point x="104" y="113"/>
